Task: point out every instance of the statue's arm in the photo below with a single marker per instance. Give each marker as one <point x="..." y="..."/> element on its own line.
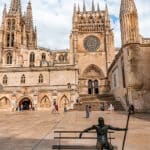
<point x="116" y="129"/>
<point x="86" y="130"/>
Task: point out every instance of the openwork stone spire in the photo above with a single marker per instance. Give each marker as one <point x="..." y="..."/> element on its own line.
<point x="93" y="7"/>
<point x="128" y="6"/>
<point x="29" y="19"/>
<point x="84" y="7"/>
<point x="15" y="7"/>
<point x="98" y="8"/>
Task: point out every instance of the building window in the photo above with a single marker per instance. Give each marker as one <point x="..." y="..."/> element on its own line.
<point x="8" y="24"/>
<point x="13" y="24"/>
<point x="12" y="39"/>
<point x="9" y="58"/>
<point x="90" y="87"/>
<point x="32" y="57"/>
<point x="28" y="40"/>
<point x="96" y="90"/>
<point x="61" y="58"/>
<point x="23" y="79"/>
<point x="5" y="79"/>
<point x="41" y="78"/>
<point x="123" y="73"/>
<point x="115" y="78"/>
<point x="43" y="56"/>
<point x="8" y="39"/>
<point x="115" y="81"/>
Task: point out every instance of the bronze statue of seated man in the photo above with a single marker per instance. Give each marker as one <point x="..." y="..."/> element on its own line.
<point x="102" y="131"/>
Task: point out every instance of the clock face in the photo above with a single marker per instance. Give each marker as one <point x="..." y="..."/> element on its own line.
<point x="91" y="43"/>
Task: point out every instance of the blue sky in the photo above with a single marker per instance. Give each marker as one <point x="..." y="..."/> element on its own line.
<point x="53" y="19"/>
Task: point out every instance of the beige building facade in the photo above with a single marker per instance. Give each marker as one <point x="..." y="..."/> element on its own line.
<point x="129" y="73"/>
<point x="36" y="77"/>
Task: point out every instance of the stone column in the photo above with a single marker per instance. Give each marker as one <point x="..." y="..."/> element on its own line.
<point x="35" y="101"/>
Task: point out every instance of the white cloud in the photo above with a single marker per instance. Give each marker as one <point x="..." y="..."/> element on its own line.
<point x="53" y="19"/>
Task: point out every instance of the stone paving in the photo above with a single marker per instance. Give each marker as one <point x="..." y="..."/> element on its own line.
<point x="34" y="130"/>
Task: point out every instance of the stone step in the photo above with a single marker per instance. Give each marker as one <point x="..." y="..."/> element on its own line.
<point x="96" y="102"/>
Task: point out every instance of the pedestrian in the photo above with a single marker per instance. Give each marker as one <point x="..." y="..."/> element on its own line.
<point x="30" y="107"/>
<point x="65" y="108"/>
<point x="56" y="108"/>
<point x="87" y="111"/>
<point x="21" y="107"/>
<point x="111" y="108"/>
<point x="103" y="107"/>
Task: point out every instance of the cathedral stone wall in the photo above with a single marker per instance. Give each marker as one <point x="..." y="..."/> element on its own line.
<point x="135" y="54"/>
<point x="39" y="77"/>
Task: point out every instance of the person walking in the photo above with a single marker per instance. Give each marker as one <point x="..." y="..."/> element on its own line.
<point x="87" y="111"/>
<point x="56" y="108"/>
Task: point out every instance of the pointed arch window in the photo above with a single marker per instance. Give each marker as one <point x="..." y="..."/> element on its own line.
<point x="8" y="40"/>
<point x="8" y="24"/>
<point x="13" y="24"/>
<point x="90" y="87"/>
<point x="9" y="58"/>
<point x="43" y="56"/>
<point x="5" y="79"/>
<point x="28" y="40"/>
<point x="41" y="79"/>
<point x="32" y="57"/>
<point x="12" y="39"/>
<point x="61" y="58"/>
<point x="23" y="79"/>
<point x="96" y="89"/>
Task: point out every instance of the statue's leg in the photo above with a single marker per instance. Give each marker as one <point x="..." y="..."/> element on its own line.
<point x="111" y="147"/>
<point x="99" y="146"/>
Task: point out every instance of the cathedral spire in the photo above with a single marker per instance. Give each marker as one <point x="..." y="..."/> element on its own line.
<point x="107" y="18"/>
<point x="4" y="10"/>
<point x="93" y="7"/>
<point x="74" y="10"/>
<point x="84" y="6"/>
<point x="29" y="19"/>
<point x="128" y="6"/>
<point x="107" y="13"/>
<point x="78" y="8"/>
<point x="15" y="7"/>
<point x="98" y="9"/>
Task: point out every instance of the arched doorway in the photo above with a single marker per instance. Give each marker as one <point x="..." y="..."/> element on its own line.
<point x="45" y="102"/>
<point x="93" y="87"/>
<point x="92" y="80"/>
<point x="4" y="103"/>
<point x="64" y="101"/>
<point x="90" y="87"/>
<point x="96" y="89"/>
<point x="25" y="104"/>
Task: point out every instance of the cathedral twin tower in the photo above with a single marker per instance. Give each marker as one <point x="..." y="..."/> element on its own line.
<point x="18" y="29"/>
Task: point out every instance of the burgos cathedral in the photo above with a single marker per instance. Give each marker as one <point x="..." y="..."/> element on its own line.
<point x="92" y="71"/>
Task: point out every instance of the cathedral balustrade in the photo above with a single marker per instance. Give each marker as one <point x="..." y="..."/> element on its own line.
<point x="146" y="41"/>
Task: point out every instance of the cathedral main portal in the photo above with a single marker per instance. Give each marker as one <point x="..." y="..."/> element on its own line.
<point x="25" y="104"/>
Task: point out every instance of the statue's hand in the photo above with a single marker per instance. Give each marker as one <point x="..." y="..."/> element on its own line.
<point x="80" y="136"/>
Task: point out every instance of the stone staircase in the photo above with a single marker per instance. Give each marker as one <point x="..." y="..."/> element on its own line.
<point x="97" y="101"/>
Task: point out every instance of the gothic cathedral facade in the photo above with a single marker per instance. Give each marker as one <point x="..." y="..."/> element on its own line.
<point x="39" y="77"/>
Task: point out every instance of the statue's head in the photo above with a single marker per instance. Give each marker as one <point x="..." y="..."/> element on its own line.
<point x="101" y="121"/>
